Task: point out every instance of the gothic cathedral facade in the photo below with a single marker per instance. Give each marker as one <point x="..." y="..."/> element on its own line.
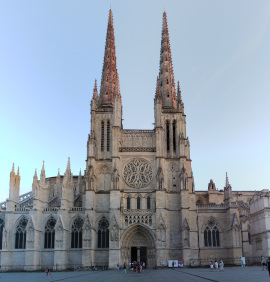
<point x="136" y="200"/>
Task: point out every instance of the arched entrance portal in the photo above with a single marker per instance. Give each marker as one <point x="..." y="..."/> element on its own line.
<point x="138" y="244"/>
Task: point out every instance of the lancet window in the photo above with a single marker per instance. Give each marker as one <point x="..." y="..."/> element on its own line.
<point x="128" y="203"/>
<point x="108" y="136"/>
<point x="168" y="135"/>
<point x="148" y="203"/>
<point x="174" y="135"/>
<point x="102" y="136"/>
<point x="49" y="234"/>
<point x="2" y="223"/>
<point x="20" y="236"/>
<point x="103" y="233"/>
<point x="76" y="233"/>
<point x="138" y="203"/>
<point x="211" y="235"/>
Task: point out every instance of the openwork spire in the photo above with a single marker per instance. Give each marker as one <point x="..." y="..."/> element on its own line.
<point x="166" y="77"/>
<point x="109" y="73"/>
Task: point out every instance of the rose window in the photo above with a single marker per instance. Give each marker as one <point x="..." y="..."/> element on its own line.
<point x="138" y="173"/>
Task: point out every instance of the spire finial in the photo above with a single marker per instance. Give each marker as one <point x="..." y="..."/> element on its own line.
<point x="166" y="76"/>
<point x="13" y="168"/>
<point x="18" y="171"/>
<point x="109" y="72"/>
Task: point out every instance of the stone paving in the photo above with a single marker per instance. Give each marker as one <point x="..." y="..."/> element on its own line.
<point x="198" y="274"/>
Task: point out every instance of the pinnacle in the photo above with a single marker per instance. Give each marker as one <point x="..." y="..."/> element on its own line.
<point x="227" y="181"/>
<point x="179" y="98"/>
<point x="68" y="164"/>
<point x="95" y="92"/>
<point x="18" y="172"/>
<point x="13" y="169"/>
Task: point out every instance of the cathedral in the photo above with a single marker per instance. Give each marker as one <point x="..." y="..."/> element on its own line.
<point x="136" y="199"/>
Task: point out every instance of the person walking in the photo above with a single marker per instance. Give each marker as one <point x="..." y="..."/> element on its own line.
<point x="118" y="266"/>
<point x="211" y="266"/>
<point x="221" y="265"/>
<point x="263" y="262"/>
<point x="216" y="265"/>
<point x="125" y="269"/>
<point x="173" y="265"/>
<point x="243" y="262"/>
<point x="47" y="270"/>
<point x="268" y="265"/>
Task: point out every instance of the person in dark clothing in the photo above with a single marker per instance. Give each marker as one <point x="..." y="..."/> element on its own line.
<point x="268" y="265"/>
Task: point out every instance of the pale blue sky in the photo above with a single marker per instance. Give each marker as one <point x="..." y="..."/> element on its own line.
<point x="52" y="51"/>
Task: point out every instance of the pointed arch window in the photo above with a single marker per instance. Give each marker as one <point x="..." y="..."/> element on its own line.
<point x="76" y="233"/>
<point x="2" y="224"/>
<point x="174" y="135"/>
<point x="128" y="203"/>
<point x="148" y="203"/>
<point x="211" y="234"/>
<point x="168" y="135"/>
<point x="103" y="233"/>
<point x="102" y="136"/>
<point x="49" y="234"/>
<point x="20" y="236"/>
<point x="138" y="203"/>
<point x="108" y="136"/>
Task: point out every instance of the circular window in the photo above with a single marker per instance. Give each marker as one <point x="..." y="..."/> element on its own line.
<point x="138" y="173"/>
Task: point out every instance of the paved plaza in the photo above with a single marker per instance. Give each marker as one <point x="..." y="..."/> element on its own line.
<point x="248" y="274"/>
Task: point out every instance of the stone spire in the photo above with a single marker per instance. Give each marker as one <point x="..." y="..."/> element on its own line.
<point x="166" y="77"/>
<point x="109" y="73"/>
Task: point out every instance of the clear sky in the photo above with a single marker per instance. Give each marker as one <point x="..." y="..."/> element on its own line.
<point x="52" y="51"/>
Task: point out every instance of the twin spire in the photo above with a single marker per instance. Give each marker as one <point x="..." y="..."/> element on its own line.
<point x="109" y="80"/>
<point x="165" y="90"/>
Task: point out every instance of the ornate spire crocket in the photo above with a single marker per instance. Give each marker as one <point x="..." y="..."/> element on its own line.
<point x="109" y="73"/>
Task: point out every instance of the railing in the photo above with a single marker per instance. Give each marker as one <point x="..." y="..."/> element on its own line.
<point x="50" y="209"/>
<point x="138" y="131"/>
<point x="140" y="211"/>
<point x="75" y="209"/>
<point x="22" y="209"/>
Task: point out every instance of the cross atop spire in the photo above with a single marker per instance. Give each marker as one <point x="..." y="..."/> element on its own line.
<point x="109" y="73"/>
<point x="166" y="76"/>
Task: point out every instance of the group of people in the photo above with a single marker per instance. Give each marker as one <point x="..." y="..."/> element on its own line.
<point x="217" y="266"/>
<point x="265" y="264"/>
<point x="48" y="271"/>
<point x="134" y="266"/>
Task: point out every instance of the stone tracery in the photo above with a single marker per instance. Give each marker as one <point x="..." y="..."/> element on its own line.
<point x="138" y="173"/>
